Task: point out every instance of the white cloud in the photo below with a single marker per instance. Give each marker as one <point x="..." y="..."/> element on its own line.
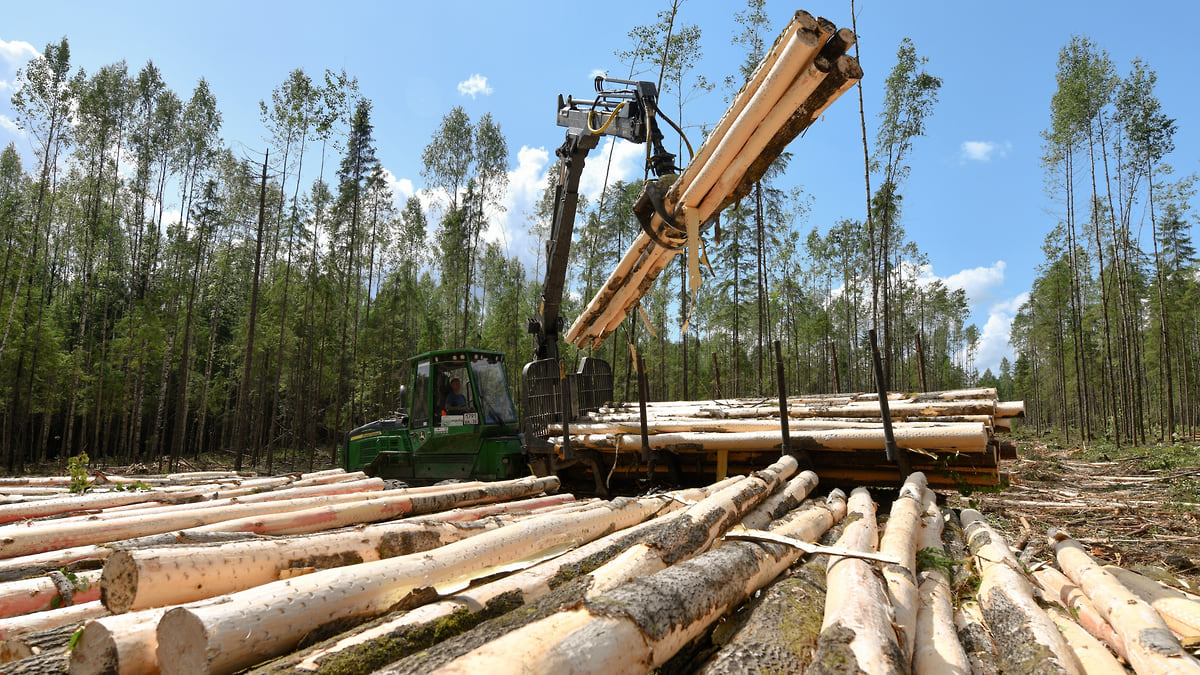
<point x="526" y="183"/>
<point x="474" y="85"/>
<point x="9" y="125"/>
<point x="983" y="151"/>
<point x="17" y="53"/>
<point x="402" y="188"/>
<point x="978" y="282"/>
<point x="994" y="339"/>
<point x="627" y="162"/>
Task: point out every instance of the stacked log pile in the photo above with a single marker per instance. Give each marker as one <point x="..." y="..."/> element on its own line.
<point x="803" y="73"/>
<point x="951" y="436"/>
<point x="750" y="574"/>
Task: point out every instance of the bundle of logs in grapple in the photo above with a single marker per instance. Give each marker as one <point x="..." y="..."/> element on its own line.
<point x="803" y="73"/>
<point x="950" y="435"/>
<point x="749" y="574"/>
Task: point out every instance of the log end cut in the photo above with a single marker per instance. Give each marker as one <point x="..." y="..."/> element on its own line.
<point x="119" y="582"/>
<point x="182" y="643"/>
<point x="95" y="652"/>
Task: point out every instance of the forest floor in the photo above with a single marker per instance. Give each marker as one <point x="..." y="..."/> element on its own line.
<point x="1138" y="507"/>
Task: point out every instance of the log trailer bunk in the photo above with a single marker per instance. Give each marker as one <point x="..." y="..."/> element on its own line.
<point x="427" y="441"/>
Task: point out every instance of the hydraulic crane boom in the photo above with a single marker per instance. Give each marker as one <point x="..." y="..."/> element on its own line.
<point x="550" y="395"/>
<point x="628" y="113"/>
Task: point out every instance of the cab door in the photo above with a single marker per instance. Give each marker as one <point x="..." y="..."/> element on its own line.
<point x="447" y="446"/>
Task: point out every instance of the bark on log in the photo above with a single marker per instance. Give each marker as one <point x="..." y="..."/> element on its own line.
<point x="1027" y="639"/>
<point x="700" y="525"/>
<point x="209" y="636"/>
<point x="975" y="639"/>
<point x="67" y="560"/>
<point x="553" y="583"/>
<point x="1063" y="591"/>
<point x="782" y="501"/>
<point x="1149" y="643"/>
<point x="34" y="644"/>
<point x="641" y="624"/>
<point x="779" y="630"/>
<point x="857" y="630"/>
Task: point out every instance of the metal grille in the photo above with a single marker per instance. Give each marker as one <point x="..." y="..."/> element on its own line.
<point x="594" y="384"/>
<point x="539" y="389"/>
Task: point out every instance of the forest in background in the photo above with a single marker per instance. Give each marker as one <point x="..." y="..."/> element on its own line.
<point x="277" y="310"/>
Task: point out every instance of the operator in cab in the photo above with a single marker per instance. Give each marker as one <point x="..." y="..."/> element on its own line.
<point x="456" y="402"/>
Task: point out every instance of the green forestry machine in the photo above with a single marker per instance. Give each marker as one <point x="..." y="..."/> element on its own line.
<point x="429" y="441"/>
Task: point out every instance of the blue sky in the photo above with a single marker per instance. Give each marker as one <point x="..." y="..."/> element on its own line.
<point x="974" y="203"/>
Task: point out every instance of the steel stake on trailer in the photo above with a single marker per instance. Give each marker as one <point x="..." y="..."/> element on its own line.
<point x="643" y="394"/>
<point x="894" y="454"/>
<point x="802" y="454"/>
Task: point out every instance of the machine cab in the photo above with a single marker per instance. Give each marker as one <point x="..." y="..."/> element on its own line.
<point x="460" y="388"/>
<point x="460" y="423"/>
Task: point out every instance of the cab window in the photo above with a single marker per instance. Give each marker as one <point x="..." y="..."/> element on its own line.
<point x="420" y="396"/>
<point x="495" y="404"/>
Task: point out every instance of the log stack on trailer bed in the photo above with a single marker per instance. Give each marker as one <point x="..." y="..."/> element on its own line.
<point x="951" y="436"/>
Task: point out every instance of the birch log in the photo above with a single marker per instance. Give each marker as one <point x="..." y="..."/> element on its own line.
<point x="1092" y="654"/>
<point x="1026" y="638"/>
<point x="1180" y="612"/>
<point x="965" y="437"/>
<point x="1060" y="589"/>
<point x="781" y="501"/>
<point x="1149" y="643"/>
<point x="384" y="507"/>
<point x="51" y="535"/>
<point x="541" y="590"/>
<point x="700" y="525"/>
<point x="155" y="577"/>
<point x="643" y="623"/>
<point x="210" y="635"/>
<point x="778" y="631"/>
<point x="900" y="539"/>
<point x="937" y="649"/>
<point x="857" y="629"/>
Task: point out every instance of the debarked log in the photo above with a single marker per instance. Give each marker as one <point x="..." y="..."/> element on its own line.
<point x="971" y="438"/>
